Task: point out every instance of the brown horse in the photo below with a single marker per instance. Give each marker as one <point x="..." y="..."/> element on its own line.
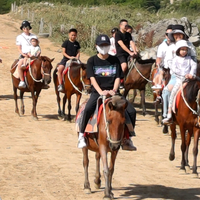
<point x="38" y="74"/>
<point x="137" y="78"/>
<point x="106" y="140"/>
<point x="75" y="80"/>
<point x="187" y="117"/>
<point x="157" y="104"/>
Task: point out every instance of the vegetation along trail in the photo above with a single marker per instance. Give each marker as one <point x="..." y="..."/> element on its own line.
<point x="40" y="159"/>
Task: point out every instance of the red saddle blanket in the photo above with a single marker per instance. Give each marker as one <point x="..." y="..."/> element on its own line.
<point x="92" y="126"/>
<point x="27" y="67"/>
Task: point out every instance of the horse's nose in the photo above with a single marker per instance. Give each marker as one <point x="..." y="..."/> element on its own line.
<point x="114" y="146"/>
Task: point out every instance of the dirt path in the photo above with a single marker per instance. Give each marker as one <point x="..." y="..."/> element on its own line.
<point x="40" y="160"/>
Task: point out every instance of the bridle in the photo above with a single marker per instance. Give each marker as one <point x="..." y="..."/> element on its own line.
<point x="107" y="125"/>
<point x="81" y="79"/>
<point x="42" y="73"/>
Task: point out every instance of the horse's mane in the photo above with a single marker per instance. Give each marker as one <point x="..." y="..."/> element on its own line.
<point x="44" y="58"/>
<point x="118" y="101"/>
<point x="191" y="91"/>
<point x="146" y="61"/>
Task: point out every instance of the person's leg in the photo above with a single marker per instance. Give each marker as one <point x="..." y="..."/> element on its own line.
<point x="60" y="69"/>
<point x="21" y="74"/>
<point x="88" y="111"/>
<point x="127" y="143"/>
<point x="165" y="96"/>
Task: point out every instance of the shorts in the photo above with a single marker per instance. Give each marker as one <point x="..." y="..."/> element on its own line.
<point x="172" y="80"/>
<point x="63" y="61"/>
<point x="123" y="59"/>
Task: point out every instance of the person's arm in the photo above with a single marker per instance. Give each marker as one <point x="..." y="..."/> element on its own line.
<point x="78" y="55"/>
<point x="133" y="46"/>
<point x="115" y="87"/>
<point x="97" y="88"/>
<point x="123" y="46"/>
<point x="66" y="55"/>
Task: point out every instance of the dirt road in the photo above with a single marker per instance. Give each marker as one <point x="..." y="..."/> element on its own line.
<point x="40" y="160"/>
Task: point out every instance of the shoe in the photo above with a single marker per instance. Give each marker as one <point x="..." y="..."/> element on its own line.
<point x="167" y="121"/>
<point x="81" y="143"/>
<point x="60" y="88"/>
<point x="45" y="87"/>
<point x="22" y="84"/>
<point x="128" y="145"/>
<point x="156" y="87"/>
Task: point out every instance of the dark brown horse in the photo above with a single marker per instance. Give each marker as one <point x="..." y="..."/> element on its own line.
<point x="188" y="118"/>
<point x="75" y="80"/>
<point x="38" y="74"/>
<point x="137" y="78"/>
<point x="106" y="140"/>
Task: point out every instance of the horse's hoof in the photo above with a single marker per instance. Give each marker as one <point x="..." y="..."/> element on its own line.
<point x="187" y="169"/>
<point x="35" y="118"/>
<point x="97" y="186"/>
<point x="195" y="175"/>
<point x="108" y="198"/>
<point x="165" y="129"/>
<point x="87" y="191"/>
<point x="182" y="171"/>
<point x="171" y="157"/>
<point x="60" y="117"/>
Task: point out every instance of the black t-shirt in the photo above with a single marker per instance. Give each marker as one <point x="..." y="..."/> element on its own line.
<point x="104" y="71"/>
<point x="126" y="38"/>
<point x="71" y="48"/>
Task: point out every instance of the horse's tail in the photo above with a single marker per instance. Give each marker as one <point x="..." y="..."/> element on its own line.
<point x="55" y="75"/>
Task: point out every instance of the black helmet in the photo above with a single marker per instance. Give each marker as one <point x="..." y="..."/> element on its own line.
<point x="25" y="24"/>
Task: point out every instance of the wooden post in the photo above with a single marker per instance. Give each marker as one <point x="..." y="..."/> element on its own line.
<point x="41" y="26"/>
<point x="22" y="12"/>
<point x="50" y="29"/>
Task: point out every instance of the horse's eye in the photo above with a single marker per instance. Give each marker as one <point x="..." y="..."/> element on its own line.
<point x="109" y="121"/>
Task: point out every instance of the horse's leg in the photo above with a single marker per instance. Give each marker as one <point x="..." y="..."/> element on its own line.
<point x="142" y="93"/>
<point x="188" y="140"/>
<point x="107" y="192"/>
<point x="195" y="151"/>
<point x="35" y="95"/>
<point x="63" y="108"/>
<point x="58" y="103"/>
<point x="78" y="98"/>
<point x="87" y="188"/>
<point x="156" y="103"/>
<point x="111" y="168"/>
<point x="97" y="179"/>
<point x="173" y="137"/>
<point x="69" y="106"/>
<point x="15" y="98"/>
<point x="22" y="102"/>
<point x="183" y="147"/>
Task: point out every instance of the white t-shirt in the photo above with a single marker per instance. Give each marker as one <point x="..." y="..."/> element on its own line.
<point x="161" y="52"/>
<point x="34" y="50"/>
<point x="112" y="50"/>
<point x="23" y="40"/>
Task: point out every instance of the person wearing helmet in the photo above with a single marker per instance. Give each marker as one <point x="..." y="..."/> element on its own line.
<point x="104" y="72"/>
<point x="184" y="67"/>
<point x="23" y="44"/>
<point x="34" y="50"/>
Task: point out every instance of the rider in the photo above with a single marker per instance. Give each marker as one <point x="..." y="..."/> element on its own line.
<point x="104" y="72"/>
<point x="178" y="33"/>
<point x="183" y="66"/>
<point x="123" y="42"/>
<point x="70" y="50"/>
<point x="161" y="52"/>
<point x="23" y="43"/>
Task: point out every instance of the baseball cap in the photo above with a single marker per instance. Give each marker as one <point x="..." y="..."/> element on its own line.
<point x="177" y="28"/>
<point x="114" y="30"/>
<point x="102" y="39"/>
<point x="25" y="24"/>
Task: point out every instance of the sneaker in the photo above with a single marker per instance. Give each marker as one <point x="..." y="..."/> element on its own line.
<point x="128" y="145"/>
<point x="22" y="84"/>
<point x="60" y="88"/>
<point x="156" y="87"/>
<point x="167" y="121"/>
<point x="81" y="143"/>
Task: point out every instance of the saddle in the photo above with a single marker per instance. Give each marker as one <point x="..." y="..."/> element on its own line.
<point x="92" y="126"/>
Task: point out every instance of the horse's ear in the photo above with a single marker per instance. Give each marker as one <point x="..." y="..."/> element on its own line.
<point x="83" y="66"/>
<point x="52" y="59"/>
<point x="111" y="106"/>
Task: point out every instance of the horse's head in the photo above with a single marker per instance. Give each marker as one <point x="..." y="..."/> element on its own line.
<point x="115" y="117"/>
<point x="86" y="81"/>
<point x="46" y="68"/>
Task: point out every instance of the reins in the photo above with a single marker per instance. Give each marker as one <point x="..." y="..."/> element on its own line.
<point x="106" y="124"/>
<point x="134" y="65"/>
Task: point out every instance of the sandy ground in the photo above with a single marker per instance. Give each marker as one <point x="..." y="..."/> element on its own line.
<point x="40" y="160"/>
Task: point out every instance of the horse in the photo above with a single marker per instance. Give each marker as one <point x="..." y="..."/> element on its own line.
<point x="108" y="139"/>
<point x="74" y="82"/>
<point x="137" y="78"/>
<point x="187" y="117"/>
<point x="159" y="102"/>
<point x="38" y="73"/>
